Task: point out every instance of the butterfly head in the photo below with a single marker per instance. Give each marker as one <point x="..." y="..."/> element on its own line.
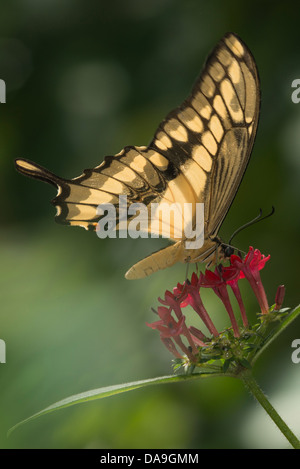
<point x="227" y="250"/>
<point x="221" y="251"/>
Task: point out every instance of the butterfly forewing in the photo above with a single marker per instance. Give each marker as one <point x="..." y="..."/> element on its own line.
<point x="212" y="132"/>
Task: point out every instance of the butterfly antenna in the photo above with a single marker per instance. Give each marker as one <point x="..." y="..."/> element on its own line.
<point x="187" y="271"/>
<point x="251" y="222"/>
<point x="217" y="258"/>
<point x="186" y="280"/>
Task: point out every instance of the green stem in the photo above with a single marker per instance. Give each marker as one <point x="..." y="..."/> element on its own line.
<point x="255" y="390"/>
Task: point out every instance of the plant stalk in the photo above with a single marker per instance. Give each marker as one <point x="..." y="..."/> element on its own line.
<point x="256" y="391"/>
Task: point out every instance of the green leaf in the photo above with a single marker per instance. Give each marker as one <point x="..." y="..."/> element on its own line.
<point x="244" y="362"/>
<point x="226" y="364"/>
<point x="279" y="329"/>
<point x="108" y="391"/>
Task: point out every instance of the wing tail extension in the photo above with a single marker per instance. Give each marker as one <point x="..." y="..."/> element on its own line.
<point x="37" y="172"/>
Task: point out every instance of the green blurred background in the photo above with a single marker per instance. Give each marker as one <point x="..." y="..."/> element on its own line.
<point x="84" y="79"/>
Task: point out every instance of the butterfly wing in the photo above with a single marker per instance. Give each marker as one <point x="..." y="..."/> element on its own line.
<point x="199" y="154"/>
<point x="209" y="138"/>
<point x="208" y="141"/>
<point x="140" y="174"/>
<point x="237" y="106"/>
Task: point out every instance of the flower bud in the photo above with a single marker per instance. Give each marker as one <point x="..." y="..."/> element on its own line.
<point x="279" y="297"/>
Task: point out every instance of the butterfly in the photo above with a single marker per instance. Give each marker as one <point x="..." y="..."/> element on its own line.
<point x="199" y="154"/>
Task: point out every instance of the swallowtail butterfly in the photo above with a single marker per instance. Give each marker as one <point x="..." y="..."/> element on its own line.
<point x="199" y="154"/>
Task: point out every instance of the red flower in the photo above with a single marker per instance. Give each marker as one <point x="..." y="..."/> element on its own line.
<point x="190" y="292"/>
<point x="216" y="281"/>
<point x="167" y="326"/>
<point x="174" y="303"/>
<point x="170" y="330"/>
<point x="183" y="291"/>
<point x="173" y="329"/>
<point x="250" y="267"/>
<point x="171" y="347"/>
<point x="231" y="275"/>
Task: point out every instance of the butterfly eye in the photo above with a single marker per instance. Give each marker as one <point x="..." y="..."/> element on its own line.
<point x="228" y="251"/>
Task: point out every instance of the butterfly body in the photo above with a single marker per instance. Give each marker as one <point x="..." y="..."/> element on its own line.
<point x="198" y="155"/>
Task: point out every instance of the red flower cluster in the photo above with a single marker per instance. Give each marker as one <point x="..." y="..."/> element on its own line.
<point x="172" y="330"/>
